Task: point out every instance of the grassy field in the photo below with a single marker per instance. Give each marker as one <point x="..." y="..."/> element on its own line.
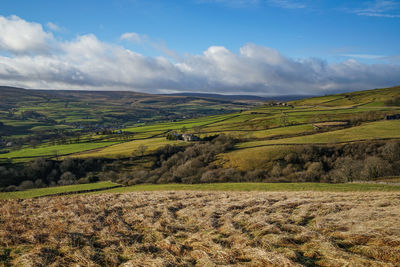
<point x="31" y="112"/>
<point x="130" y="148"/>
<point x="265" y="187"/>
<point x="260" y="154"/>
<point x="180" y="124"/>
<point x="262" y="187"/>
<point x="261" y="126"/>
<point x="216" y="224"/>
<point x="202" y="229"/>
<point x="252" y="158"/>
<point x="40" y="192"/>
<point x="52" y="150"/>
<point x="372" y="130"/>
<point x="352" y="99"/>
<point x="256" y="154"/>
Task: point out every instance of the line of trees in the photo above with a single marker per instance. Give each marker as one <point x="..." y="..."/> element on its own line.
<point x="364" y="161"/>
<point x="42" y="172"/>
<point x="196" y="163"/>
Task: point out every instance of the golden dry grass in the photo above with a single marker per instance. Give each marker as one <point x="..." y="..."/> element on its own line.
<point x="128" y="148"/>
<point x="202" y="229"/>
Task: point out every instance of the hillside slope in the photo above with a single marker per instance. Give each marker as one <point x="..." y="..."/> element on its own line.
<point x="374" y="97"/>
<point x="256" y="127"/>
<point x="272" y="142"/>
<point x="28" y="112"/>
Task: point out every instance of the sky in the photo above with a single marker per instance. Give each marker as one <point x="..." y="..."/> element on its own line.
<point x="258" y="47"/>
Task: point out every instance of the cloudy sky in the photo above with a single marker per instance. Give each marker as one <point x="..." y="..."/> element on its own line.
<point x="262" y="47"/>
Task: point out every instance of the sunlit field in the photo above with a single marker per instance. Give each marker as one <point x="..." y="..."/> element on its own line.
<point x="188" y="228"/>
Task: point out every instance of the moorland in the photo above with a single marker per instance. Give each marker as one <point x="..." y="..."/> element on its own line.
<point x="189" y="228"/>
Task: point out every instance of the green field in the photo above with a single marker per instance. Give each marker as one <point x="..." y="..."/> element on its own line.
<point x="362" y="187"/>
<point x="264" y="126"/>
<point x="130" y="148"/>
<point x="352" y="99"/>
<point x="253" y="158"/>
<point x="256" y="154"/>
<point x="256" y="128"/>
<point x="56" y="190"/>
<point x="36" y="113"/>
<point x="263" y="187"/>
<point x="178" y="125"/>
<point x="367" y="131"/>
<point x="52" y="151"/>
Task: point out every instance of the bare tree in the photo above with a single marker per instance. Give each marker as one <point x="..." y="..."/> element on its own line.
<point x="197" y="129"/>
<point x="284" y="119"/>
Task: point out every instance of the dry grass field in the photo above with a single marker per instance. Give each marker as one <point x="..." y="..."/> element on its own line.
<point x="187" y="228"/>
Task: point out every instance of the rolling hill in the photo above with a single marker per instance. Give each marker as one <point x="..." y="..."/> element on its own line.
<point x="25" y="112"/>
<point x="164" y="207"/>
<point x="273" y="141"/>
<point x="294" y="122"/>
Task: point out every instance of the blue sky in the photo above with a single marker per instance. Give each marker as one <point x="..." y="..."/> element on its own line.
<point x="174" y="41"/>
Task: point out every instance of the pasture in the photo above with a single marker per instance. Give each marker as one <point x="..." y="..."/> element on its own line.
<point x="263" y="132"/>
<point x="106" y="187"/>
<point x="52" y="151"/>
<point x="129" y="149"/>
<point x="367" y="131"/>
<point x="262" y="187"/>
<point x="40" y="192"/>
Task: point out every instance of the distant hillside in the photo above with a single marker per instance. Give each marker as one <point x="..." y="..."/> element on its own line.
<point x="242" y="97"/>
<point x="375" y="97"/>
<point x="12" y="95"/>
<point x="26" y="111"/>
<point x="135" y="137"/>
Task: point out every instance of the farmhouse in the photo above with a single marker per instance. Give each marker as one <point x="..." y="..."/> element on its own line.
<point x="279" y="104"/>
<point x="190" y="137"/>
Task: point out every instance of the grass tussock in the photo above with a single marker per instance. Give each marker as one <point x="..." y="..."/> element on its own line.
<point x="188" y="228"/>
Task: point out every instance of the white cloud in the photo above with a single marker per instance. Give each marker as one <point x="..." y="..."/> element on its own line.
<point x="379" y="8"/>
<point x="54" y="27"/>
<point x="133" y="37"/>
<point x="288" y="4"/>
<point x="88" y="63"/>
<point x="232" y="3"/>
<point x="19" y="36"/>
<point x="364" y="56"/>
<point x="163" y="48"/>
<point x="143" y="39"/>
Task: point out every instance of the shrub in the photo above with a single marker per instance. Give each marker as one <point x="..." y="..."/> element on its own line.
<point x="292" y="157"/>
<point x="276" y="170"/>
<point x="209" y="176"/>
<point x="314" y="171"/>
<point x="255" y="175"/>
<point x="26" y="185"/>
<point x="375" y="167"/>
<point x="11" y="188"/>
<point x="391" y="151"/>
<point x="346" y="170"/>
<point x="67" y="178"/>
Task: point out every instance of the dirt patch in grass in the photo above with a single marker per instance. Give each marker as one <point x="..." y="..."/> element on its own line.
<point x="188" y="228"/>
